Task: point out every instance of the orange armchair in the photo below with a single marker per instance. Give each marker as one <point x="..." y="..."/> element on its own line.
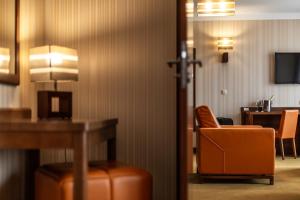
<point x="235" y="151"/>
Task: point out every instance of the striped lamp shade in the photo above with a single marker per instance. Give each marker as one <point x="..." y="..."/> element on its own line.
<point x="225" y="43"/>
<point x="4" y="60"/>
<point x="53" y="63"/>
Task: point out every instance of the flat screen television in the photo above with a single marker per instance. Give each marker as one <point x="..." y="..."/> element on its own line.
<point x="287" y="68"/>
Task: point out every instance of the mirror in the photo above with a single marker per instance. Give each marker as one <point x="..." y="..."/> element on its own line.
<point x="9" y="43"/>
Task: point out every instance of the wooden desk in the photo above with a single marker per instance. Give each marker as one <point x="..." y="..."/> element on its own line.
<point x="250" y="115"/>
<point x="29" y="135"/>
<point x="270" y="119"/>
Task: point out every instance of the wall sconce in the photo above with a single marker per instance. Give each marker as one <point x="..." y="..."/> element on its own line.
<point x="4" y="60"/>
<point x="216" y="7"/>
<point x="225" y="44"/>
<point x="54" y="63"/>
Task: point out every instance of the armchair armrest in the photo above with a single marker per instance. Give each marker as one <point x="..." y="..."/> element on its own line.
<point x="241" y="126"/>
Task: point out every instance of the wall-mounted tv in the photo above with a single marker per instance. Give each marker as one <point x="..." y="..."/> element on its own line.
<point x="287" y="68"/>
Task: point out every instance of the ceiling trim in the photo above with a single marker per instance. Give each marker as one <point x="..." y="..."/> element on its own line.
<point x="267" y="16"/>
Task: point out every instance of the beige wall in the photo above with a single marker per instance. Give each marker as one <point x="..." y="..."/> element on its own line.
<point x="249" y="74"/>
<point x="123" y="48"/>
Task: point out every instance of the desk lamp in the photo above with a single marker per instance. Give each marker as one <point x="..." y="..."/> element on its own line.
<point x="52" y="64"/>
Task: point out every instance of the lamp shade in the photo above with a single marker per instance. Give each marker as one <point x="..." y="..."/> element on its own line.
<point x="4" y="60"/>
<point x="53" y="63"/>
<point x="190" y="43"/>
<point x="225" y="43"/>
<point x="216" y="7"/>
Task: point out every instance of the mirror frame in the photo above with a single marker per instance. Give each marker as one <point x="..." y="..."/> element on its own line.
<point x="14" y="79"/>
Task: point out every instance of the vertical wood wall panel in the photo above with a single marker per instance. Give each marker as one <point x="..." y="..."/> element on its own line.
<point x="249" y="75"/>
<point x="123" y="47"/>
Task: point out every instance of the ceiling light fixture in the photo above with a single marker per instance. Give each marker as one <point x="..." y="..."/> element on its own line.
<point x="216" y="7"/>
<point x="190" y="8"/>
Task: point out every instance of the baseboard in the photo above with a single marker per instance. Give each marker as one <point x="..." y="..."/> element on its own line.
<point x="201" y="177"/>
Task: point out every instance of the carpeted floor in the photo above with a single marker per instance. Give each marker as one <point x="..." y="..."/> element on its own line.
<point x="287" y="186"/>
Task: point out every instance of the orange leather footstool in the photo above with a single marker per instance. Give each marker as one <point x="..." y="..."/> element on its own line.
<point x="127" y="183"/>
<point x="55" y="182"/>
<point x="106" y="181"/>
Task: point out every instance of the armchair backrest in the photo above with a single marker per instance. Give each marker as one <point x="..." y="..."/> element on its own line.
<point x="206" y="118"/>
<point x="288" y="124"/>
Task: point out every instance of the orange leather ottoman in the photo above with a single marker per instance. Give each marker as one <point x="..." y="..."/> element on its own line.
<point x="55" y="182"/>
<point x="106" y="181"/>
<point x="127" y="183"/>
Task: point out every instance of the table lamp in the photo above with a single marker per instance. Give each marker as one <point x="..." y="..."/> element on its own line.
<point x="4" y="60"/>
<point x="52" y="64"/>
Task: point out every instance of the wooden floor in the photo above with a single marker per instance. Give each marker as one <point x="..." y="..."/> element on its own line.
<point x="287" y="186"/>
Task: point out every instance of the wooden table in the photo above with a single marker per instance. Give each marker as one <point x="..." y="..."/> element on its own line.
<point x="272" y="120"/>
<point x="29" y="135"/>
<point x="250" y="115"/>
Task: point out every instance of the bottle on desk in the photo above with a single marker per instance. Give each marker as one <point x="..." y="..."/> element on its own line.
<point x="267" y="104"/>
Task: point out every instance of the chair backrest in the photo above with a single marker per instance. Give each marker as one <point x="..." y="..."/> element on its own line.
<point x="288" y="124"/>
<point x="206" y="118"/>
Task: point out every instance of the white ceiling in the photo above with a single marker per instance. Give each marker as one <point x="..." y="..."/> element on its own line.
<point x="269" y="6"/>
<point x="263" y="9"/>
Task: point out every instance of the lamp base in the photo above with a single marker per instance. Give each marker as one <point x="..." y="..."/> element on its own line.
<point x="54" y="105"/>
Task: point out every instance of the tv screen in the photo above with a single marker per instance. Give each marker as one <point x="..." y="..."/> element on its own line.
<point x="287" y="68"/>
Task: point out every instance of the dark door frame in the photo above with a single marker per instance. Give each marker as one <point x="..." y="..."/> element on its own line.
<point x="181" y="104"/>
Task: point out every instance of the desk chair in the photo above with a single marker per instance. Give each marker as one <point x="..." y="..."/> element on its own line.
<point x="287" y="129"/>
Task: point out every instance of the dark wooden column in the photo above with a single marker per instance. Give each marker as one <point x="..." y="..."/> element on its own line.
<point x="182" y="172"/>
<point x="32" y="162"/>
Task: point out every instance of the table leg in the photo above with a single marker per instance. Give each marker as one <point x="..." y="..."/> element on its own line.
<point x="111" y="150"/>
<point x="112" y="147"/>
<point x="80" y="166"/>
<point x="32" y="162"/>
<point x="250" y="119"/>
